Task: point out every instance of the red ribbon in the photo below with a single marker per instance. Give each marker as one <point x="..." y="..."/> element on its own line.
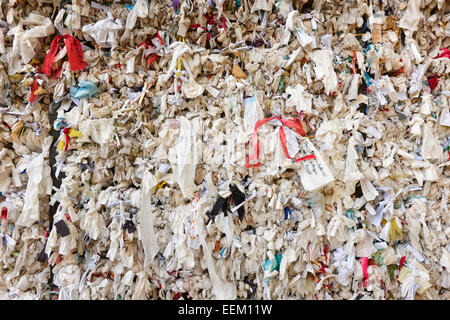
<point x="402" y="261"/>
<point x="354" y="62"/>
<point x="433" y="82"/>
<point x="291" y="123"/>
<point x="152" y="59"/>
<point x="224" y="25"/>
<point x="398" y="72"/>
<point x="34" y="86"/>
<point x="58" y="73"/>
<point x="74" y="52"/>
<point x="159" y="38"/>
<point x="210" y="20"/>
<point x="322" y="267"/>
<point x="325" y="251"/>
<point x="146" y="44"/>
<point x="7" y="125"/>
<point x="445" y="53"/>
<point x="196" y="26"/>
<point x="66" y="132"/>
<point x="365" y="264"/>
<point x="4" y="213"/>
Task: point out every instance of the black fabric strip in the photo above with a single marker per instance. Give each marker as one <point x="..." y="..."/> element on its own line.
<point x="238" y="198"/>
<point x="221" y="203"/>
<point x="43" y="256"/>
<point x="62" y="228"/>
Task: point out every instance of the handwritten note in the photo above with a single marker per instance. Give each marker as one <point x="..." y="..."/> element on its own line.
<point x="314" y="173"/>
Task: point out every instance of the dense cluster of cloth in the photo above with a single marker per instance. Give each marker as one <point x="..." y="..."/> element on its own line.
<point x="224" y="149"/>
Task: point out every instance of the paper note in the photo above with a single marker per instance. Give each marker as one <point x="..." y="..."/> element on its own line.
<point x="314" y="173"/>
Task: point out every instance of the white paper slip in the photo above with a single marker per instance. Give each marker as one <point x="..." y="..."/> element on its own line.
<point x="314" y="173"/>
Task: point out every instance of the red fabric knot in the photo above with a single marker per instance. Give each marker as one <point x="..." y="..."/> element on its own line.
<point x="152" y="59"/>
<point x="34" y="86"/>
<point x="445" y="53"/>
<point x="74" y="53"/>
<point x="66" y="132"/>
<point x="224" y="25"/>
<point x="4" y="215"/>
<point x="293" y="123"/>
<point x="402" y="261"/>
<point x="433" y="82"/>
<point x="365" y="264"/>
